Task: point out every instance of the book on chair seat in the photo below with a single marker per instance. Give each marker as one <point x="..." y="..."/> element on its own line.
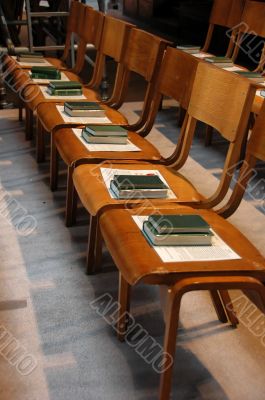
<point x="222" y="62"/>
<point x="189" y="48"/>
<point x="253" y="76"/>
<point x="83" y="109"/>
<point x="90" y="138"/>
<point x="180" y="223"/>
<point x="69" y="88"/>
<point x="30" y="57"/>
<point x="138" y="186"/>
<point x="106" y="130"/>
<point x="176" y="239"/>
<point x="45" y="72"/>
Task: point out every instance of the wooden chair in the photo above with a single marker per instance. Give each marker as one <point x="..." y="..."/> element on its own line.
<point x="148" y="48"/>
<point x="138" y="262"/>
<point x="114" y="48"/>
<point x="225" y="13"/>
<point x="253" y="23"/>
<point x="220" y="99"/>
<point x="80" y="15"/>
<point x="90" y="32"/>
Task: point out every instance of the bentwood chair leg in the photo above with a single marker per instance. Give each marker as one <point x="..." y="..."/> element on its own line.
<point x="53" y="165"/>
<point x="222" y="284"/>
<point x="208" y="136"/>
<point x="124" y="307"/>
<point x="98" y="249"/>
<point x="71" y="199"/>
<point x="218" y="305"/>
<point x="20" y="112"/>
<point x="40" y="143"/>
<point x="172" y="319"/>
<point x="93" y="226"/>
<point x="229" y="307"/>
<point x="29" y="124"/>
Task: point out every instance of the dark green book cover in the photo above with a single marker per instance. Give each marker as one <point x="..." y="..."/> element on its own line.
<point x="176" y="239"/>
<point x="127" y="182"/>
<point x="178" y="223"/>
<point x="219" y="60"/>
<point x="65" y="85"/>
<point x="108" y="130"/>
<point x="82" y="105"/>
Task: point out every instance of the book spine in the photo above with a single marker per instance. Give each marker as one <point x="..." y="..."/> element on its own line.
<point x="66" y="92"/>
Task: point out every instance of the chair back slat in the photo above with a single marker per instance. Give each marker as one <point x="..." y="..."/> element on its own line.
<point x="253" y="18"/>
<point x="256" y="144"/>
<point x="227" y="13"/>
<point x="219" y="99"/>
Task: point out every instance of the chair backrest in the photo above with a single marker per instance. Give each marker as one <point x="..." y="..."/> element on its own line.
<point x="255" y="151"/>
<point x="90" y="33"/>
<point x="113" y="40"/>
<point x="142" y="55"/>
<point x="223" y="101"/>
<point x="74" y="24"/>
<point x="175" y="80"/>
<point x="253" y="23"/>
<point x="225" y="13"/>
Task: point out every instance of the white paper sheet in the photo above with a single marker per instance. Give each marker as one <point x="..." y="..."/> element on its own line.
<point x="218" y="251"/>
<point x="234" y="68"/>
<point x="32" y="64"/>
<point x="108" y="173"/>
<point x="202" y="55"/>
<point x="49" y="97"/>
<point x="64" y="78"/>
<point x="105" y="147"/>
<point x="82" y="120"/>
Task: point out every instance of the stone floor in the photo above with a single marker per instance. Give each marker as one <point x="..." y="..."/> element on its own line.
<point x="65" y="349"/>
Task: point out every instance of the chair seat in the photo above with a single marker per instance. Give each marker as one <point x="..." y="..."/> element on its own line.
<point x="71" y="149"/>
<point x="33" y="96"/>
<point x="50" y="117"/>
<point x="95" y="196"/>
<point x="138" y="261"/>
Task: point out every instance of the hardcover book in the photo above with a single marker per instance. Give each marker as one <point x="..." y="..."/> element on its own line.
<point x="45" y="72"/>
<point x="220" y="61"/>
<point x="83" y="109"/>
<point x="189" y="48"/>
<point x="106" y="130"/>
<point x="181" y="223"/>
<point x="90" y="138"/>
<point x="128" y="182"/>
<point x="254" y="76"/>
<point x="70" y="88"/>
<point x="30" y="57"/>
<point x="176" y="239"/>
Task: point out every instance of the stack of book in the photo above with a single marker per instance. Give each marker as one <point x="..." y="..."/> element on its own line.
<point x="45" y="72"/>
<point x="189" y="48"/>
<point x="222" y="62"/>
<point x="83" y="109"/>
<point x="68" y="88"/>
<point x="253" y="76"/>
<point x="30" y="58"/>
<point x="107" y="134"/>
<point x="177" y="230"/>
<point x="138" y="186"/>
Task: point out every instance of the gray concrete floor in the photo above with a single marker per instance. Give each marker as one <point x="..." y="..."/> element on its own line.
<point x="45" y="297"/>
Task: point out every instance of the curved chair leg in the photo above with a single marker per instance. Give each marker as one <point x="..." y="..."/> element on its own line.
<point x="174" y="299"/>
<point x="226" y="299"/>
<point x="40" y="142"/>
<point x="93" y="227"/>
<point x="124" y="303"/>
<point x="208" y="136"/>
<point x="54" y="158"/>
<point x="29" y="124"/>
<point x="218" y="305"/>
<point x="71" y="199"/>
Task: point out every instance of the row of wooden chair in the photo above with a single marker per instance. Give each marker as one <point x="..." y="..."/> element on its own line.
<point x="210" y="95"/>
